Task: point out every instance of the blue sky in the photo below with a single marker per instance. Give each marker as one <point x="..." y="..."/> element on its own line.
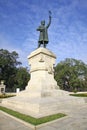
<point x="19" y="20"/>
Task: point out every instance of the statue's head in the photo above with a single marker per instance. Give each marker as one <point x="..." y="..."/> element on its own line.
<point x="43" y="22"/>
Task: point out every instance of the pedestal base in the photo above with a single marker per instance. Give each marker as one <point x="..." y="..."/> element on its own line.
<point x="43" y="106"/>
<point x="42" y="96"/>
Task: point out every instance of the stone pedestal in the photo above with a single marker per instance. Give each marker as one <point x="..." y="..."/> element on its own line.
<point x="42" y="96"/>
<point x="42" y="73"/>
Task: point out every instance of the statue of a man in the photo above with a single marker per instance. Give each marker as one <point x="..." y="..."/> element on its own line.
<point x="43" y="38"/>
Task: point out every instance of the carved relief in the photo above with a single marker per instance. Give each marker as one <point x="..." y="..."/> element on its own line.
<point x="50" y="70"/>
<point x="41" y="58"/>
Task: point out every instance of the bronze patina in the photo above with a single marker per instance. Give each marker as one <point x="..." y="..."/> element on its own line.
<point x="43" y="38"/>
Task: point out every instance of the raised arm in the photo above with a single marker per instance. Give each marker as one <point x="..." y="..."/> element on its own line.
<point x="49" y="19"/>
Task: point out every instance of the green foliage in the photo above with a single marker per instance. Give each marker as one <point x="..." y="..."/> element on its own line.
<point x="32" y="120"/>
<point x="22" y="78"/>
<point x="79" y="95"/>
<point x="6" y="95"/>
<point x="71" y="74"/>
<point x="8" y="63"/>
<point x="13" y="75"/>
<point x="8" y="59"/>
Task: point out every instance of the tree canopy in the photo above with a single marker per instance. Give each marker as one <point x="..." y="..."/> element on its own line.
<point x="22" y="77"/>
<point x="71" y="74"/>
<point x="9" y="69"/>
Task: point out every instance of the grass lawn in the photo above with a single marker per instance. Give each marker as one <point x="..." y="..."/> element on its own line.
<point x="32" y="120"/>
<point x="79" y="94"/>
<point x="6" y="96"/>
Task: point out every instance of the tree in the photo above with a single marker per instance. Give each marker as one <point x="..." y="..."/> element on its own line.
<point x="8" y="63"/>
<point x="71" y="74"/>
<point x="22" y="78"/>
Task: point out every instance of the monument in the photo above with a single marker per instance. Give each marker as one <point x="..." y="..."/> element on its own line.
<point x="43" y="38"/>
<point x="42" y="95"/>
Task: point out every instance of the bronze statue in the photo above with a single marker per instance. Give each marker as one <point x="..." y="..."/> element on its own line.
<point x="43" y="38"/>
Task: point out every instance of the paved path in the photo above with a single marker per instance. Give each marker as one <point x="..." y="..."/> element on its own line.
<point x="76" y="120"/>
